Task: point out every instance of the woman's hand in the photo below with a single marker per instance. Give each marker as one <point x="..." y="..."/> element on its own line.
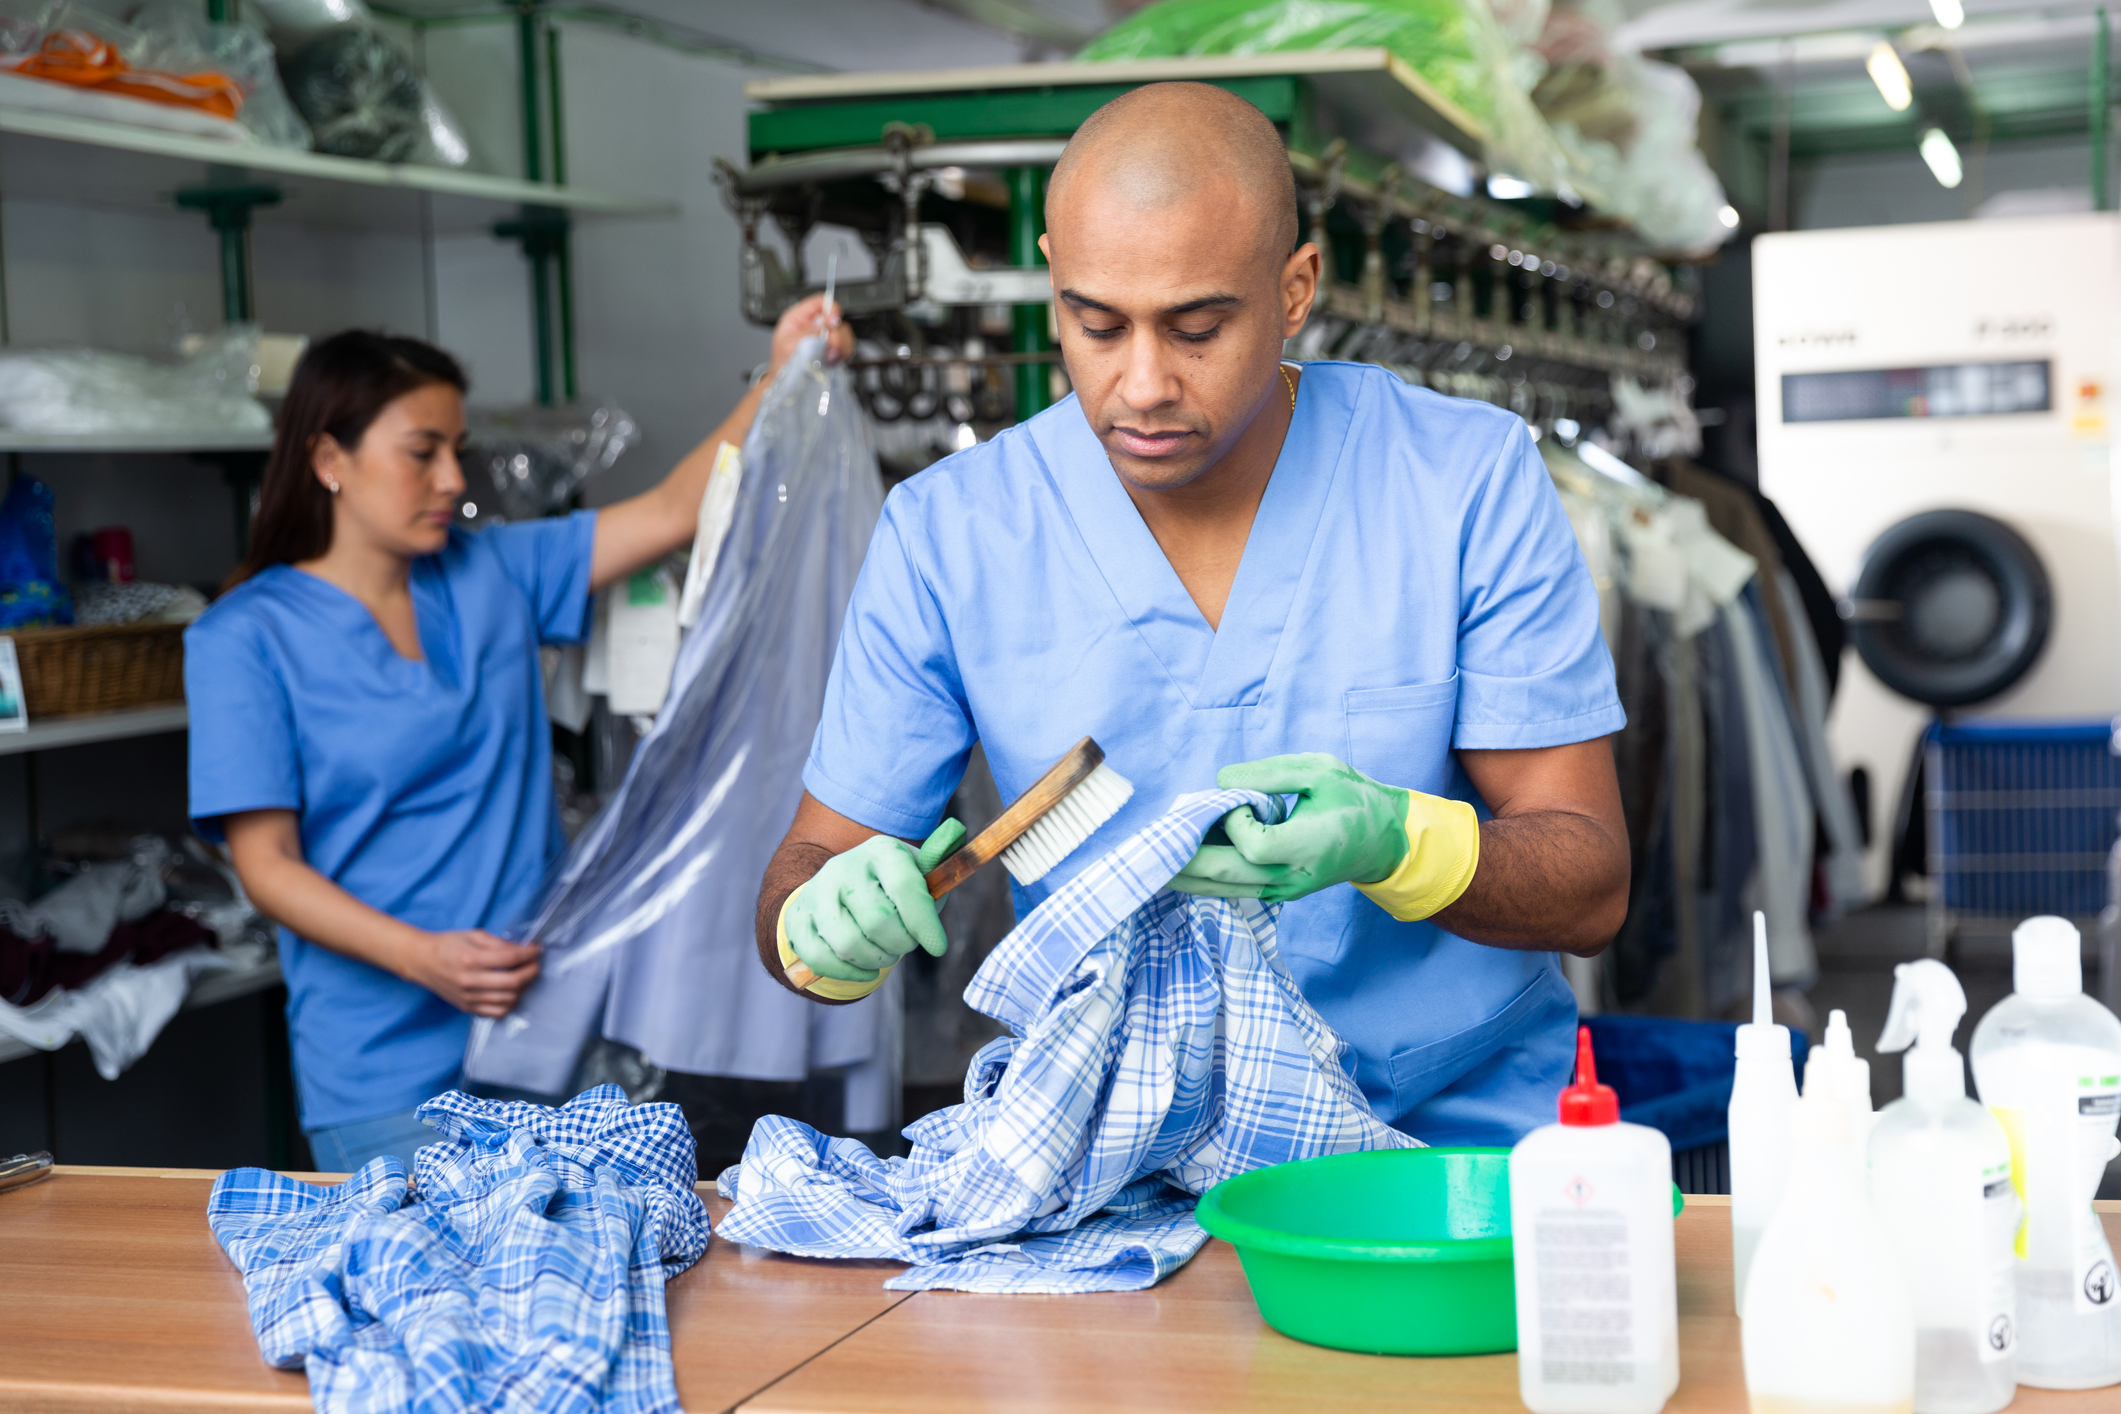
<point x="799" y="322"/>
<point x="471" y="969"/>
<point x="644" y="528"/>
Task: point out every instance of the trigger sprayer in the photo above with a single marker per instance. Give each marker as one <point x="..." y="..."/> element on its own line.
<point x="1928" y="1004"/>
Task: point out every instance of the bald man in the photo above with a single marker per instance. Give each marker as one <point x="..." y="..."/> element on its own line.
<point x="1318" y="582"/>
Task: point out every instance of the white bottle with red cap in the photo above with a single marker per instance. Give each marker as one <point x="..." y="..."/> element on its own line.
<point x="1597" y="1284"/>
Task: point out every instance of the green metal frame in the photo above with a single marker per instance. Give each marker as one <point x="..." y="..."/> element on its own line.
<point x="1029" y="112"/>
<point x="1027" y="222"/>
<point x="228" y="207"/>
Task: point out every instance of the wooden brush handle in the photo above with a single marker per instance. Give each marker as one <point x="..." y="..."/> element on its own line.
<point x="1008" y="827"/>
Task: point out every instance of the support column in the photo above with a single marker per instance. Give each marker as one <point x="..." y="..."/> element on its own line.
<point x="228" y="211"/>
<point x="1027" y="222"/>
<point x="2099" y="118"/>
<point x="543" y="230"/>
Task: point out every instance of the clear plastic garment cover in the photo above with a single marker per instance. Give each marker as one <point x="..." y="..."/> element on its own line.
<point x="666" y="878"/>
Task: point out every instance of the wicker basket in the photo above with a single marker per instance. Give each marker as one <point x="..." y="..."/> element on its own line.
<point x="70" y="671"/>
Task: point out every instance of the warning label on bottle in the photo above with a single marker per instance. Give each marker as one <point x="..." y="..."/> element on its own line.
<point x="2093" y="1267"/>
<point x="1999" y="1275"/>
<point x="1586" y="1313"/>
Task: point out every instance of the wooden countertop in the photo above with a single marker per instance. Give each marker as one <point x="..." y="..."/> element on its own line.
<point x="113" y="1296"/>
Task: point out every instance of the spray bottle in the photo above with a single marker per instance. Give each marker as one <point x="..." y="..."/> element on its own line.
<point x="1828" y="1324"/>
<point x="1597" y="1282"/>
<point x="2047" y="1059"/>
<point x="1940" y="1178"/>
<point x="1763" y="1091"/>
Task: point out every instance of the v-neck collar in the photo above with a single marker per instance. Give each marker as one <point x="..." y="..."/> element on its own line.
<point x="431" y="611"/>
<point x="1223" y="667"/>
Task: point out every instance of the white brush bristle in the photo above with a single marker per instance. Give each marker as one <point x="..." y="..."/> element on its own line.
<point x="1096" y="798"/>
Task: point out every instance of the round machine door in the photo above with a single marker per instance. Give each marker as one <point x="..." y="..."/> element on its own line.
<point x="1951" y="608"/>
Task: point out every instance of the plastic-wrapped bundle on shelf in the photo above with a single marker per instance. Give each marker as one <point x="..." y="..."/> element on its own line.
<point x="1457" y="45"/>
<point x="647" y="926"/>
<point x="91" y="391"/>
<point x="1627" y="126"/>
<point x="361" y="94"/>
<point x="173" y="30"/>
<point x="533" y="460"/>
<point x="155" y="65"/>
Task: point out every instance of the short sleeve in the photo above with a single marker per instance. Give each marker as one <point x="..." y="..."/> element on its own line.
<point x="549" y="561"/>
<point x="892" y="743"/>
<point x="1533" y="669"/>
<point x="243" y="754"/>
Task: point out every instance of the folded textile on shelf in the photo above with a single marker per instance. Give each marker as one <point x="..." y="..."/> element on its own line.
<point x="1159" y="1046"/>
<point x="522" y="1269"/>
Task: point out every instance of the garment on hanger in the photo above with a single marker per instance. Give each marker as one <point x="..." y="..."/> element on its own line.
<point x="525" y="1270"/>
<point x="1841" y="861"/>
<point x="1158" y="1046"/>
<point x="1782" y="802"/>
<point x="647" y="926"/>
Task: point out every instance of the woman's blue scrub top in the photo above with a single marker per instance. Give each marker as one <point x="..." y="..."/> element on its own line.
<point x="424" y="789"/>
<point x="1410" y="585"/>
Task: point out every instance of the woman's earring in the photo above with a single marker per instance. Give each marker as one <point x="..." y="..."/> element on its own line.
<point x="333" y="485"/>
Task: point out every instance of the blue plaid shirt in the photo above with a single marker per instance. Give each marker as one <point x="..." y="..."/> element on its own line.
<point x="1160" y="1047"/>
<point x="523" y="1270"/>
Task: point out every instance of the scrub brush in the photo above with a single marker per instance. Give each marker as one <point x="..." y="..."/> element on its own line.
<point x="1041" y="827"/>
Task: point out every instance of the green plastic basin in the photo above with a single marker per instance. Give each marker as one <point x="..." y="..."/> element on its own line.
<point x="1391" y="1252"/>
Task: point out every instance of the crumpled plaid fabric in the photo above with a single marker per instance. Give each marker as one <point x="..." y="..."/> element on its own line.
<point x="1159" y="1047"/>
<point x="523" y="1270"/>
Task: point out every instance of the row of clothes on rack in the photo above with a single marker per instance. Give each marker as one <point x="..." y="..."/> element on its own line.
<point x="1726" y="646"/>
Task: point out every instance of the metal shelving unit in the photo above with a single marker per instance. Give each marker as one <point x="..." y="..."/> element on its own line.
<point x="1527" y="303"/>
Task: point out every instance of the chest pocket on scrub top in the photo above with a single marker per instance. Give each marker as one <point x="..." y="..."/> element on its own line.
<point x="1402" y="735"/>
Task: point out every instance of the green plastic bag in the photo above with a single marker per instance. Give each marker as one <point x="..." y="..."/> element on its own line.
<point x="1438" y="37"/>
<point x="1455" y="44"/>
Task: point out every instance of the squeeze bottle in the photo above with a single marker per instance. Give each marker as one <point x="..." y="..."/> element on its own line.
<point x="1597" y="1281"/>
<point x="1763" y="1090"/>
<point x="1940" y="1178"/>
<point x="1828" y="1326"/>
<point x="2047" y="1060"/>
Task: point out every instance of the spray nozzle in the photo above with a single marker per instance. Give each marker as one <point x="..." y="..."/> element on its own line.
<point x="1762" y="1039"/>
<point x="1763" y="988"/>
<point x="1927" y="1005"/>
<point x="1588" y="1102"/>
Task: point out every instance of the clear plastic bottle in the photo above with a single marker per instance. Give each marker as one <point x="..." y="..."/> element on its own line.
<point x="1762" y="1093"/>
<point x="1828" y="1325"/>
<point x="1591" y="1197"/>
<point x="1940" y="1178"/>
<point x="2047" y="1060"/>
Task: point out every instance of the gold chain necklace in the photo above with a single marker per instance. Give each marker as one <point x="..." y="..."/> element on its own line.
<point x="1292" y="385"/>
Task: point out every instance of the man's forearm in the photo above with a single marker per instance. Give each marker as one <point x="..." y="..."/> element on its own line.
<point x="1548" y="879"/>
<point x="792" y="866"/>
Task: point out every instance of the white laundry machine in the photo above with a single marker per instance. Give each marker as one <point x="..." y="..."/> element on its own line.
<point x="1964" y="365"/>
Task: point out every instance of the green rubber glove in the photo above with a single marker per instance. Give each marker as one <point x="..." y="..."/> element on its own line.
<point x="1345" y="829"/>
<point x="869" y="907"/>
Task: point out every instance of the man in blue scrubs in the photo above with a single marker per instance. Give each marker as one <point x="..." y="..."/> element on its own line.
<point x="1316" y="581"/>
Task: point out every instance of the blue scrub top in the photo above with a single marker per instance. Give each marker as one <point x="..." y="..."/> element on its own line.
<point x="1410" y="585"/>
<point x="424" y="789"/>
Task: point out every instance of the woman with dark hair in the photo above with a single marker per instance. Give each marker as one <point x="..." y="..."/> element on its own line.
<point x="368" y="726"/>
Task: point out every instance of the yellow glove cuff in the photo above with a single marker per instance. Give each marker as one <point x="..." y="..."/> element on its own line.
<point x="1443" y="850"/>
<point x="832" y="989"/>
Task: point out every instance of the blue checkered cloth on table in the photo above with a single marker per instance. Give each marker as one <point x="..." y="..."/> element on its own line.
<point x="1159" y="1047"/>
<point x="523" y="1269"/>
